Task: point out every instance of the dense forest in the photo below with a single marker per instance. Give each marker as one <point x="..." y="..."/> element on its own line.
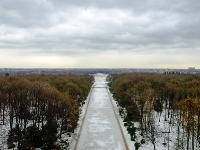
<point x="39" y="109"/>
<point x="155" y="100"/>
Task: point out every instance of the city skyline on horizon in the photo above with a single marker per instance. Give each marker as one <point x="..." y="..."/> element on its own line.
<point x="96" y="68"/>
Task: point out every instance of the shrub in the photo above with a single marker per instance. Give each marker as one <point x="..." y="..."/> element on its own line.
<point x="137" y="145"/>
<point x="142" y="141"/>
<point x="131" y="130"/>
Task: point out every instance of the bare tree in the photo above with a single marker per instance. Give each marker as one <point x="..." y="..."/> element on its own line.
<point x="152" y="130"/>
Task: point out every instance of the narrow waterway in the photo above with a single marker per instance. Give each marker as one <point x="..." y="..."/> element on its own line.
<point x="100" y="128"/>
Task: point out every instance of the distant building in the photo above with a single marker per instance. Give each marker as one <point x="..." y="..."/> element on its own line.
<point x="191" y="69"/>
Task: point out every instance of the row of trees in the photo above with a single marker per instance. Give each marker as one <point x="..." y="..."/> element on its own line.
<point x="40" y="108"/>
<point x="175" y="97"/>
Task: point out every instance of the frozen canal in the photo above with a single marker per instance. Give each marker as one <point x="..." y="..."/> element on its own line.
<point x="100" y="129"/>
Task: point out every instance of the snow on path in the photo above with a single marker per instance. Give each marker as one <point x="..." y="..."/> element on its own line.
<point x="100" y="129"/>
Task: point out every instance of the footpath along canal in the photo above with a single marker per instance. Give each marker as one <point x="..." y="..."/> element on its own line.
<point x="100" y="128"/>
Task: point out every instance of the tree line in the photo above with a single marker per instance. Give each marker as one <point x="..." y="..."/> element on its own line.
<point x="39" y="109"/>
<point x="145" y="97"/>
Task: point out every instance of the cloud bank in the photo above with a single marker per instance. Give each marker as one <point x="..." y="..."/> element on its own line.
<point x="100" y="33"/>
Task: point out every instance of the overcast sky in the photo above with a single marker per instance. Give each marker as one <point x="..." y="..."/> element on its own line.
<point x="100" y="33"/>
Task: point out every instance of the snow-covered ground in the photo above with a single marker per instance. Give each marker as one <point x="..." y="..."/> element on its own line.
<point x="100" y="128"/>
<point x="4" y="129"/>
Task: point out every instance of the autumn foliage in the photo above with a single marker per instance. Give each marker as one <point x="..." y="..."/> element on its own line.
<point x="40" y="108"/>
<point x="175" y="97"/>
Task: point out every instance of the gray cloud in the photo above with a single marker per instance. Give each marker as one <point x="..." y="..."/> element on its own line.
<point x="74" y="27"/>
